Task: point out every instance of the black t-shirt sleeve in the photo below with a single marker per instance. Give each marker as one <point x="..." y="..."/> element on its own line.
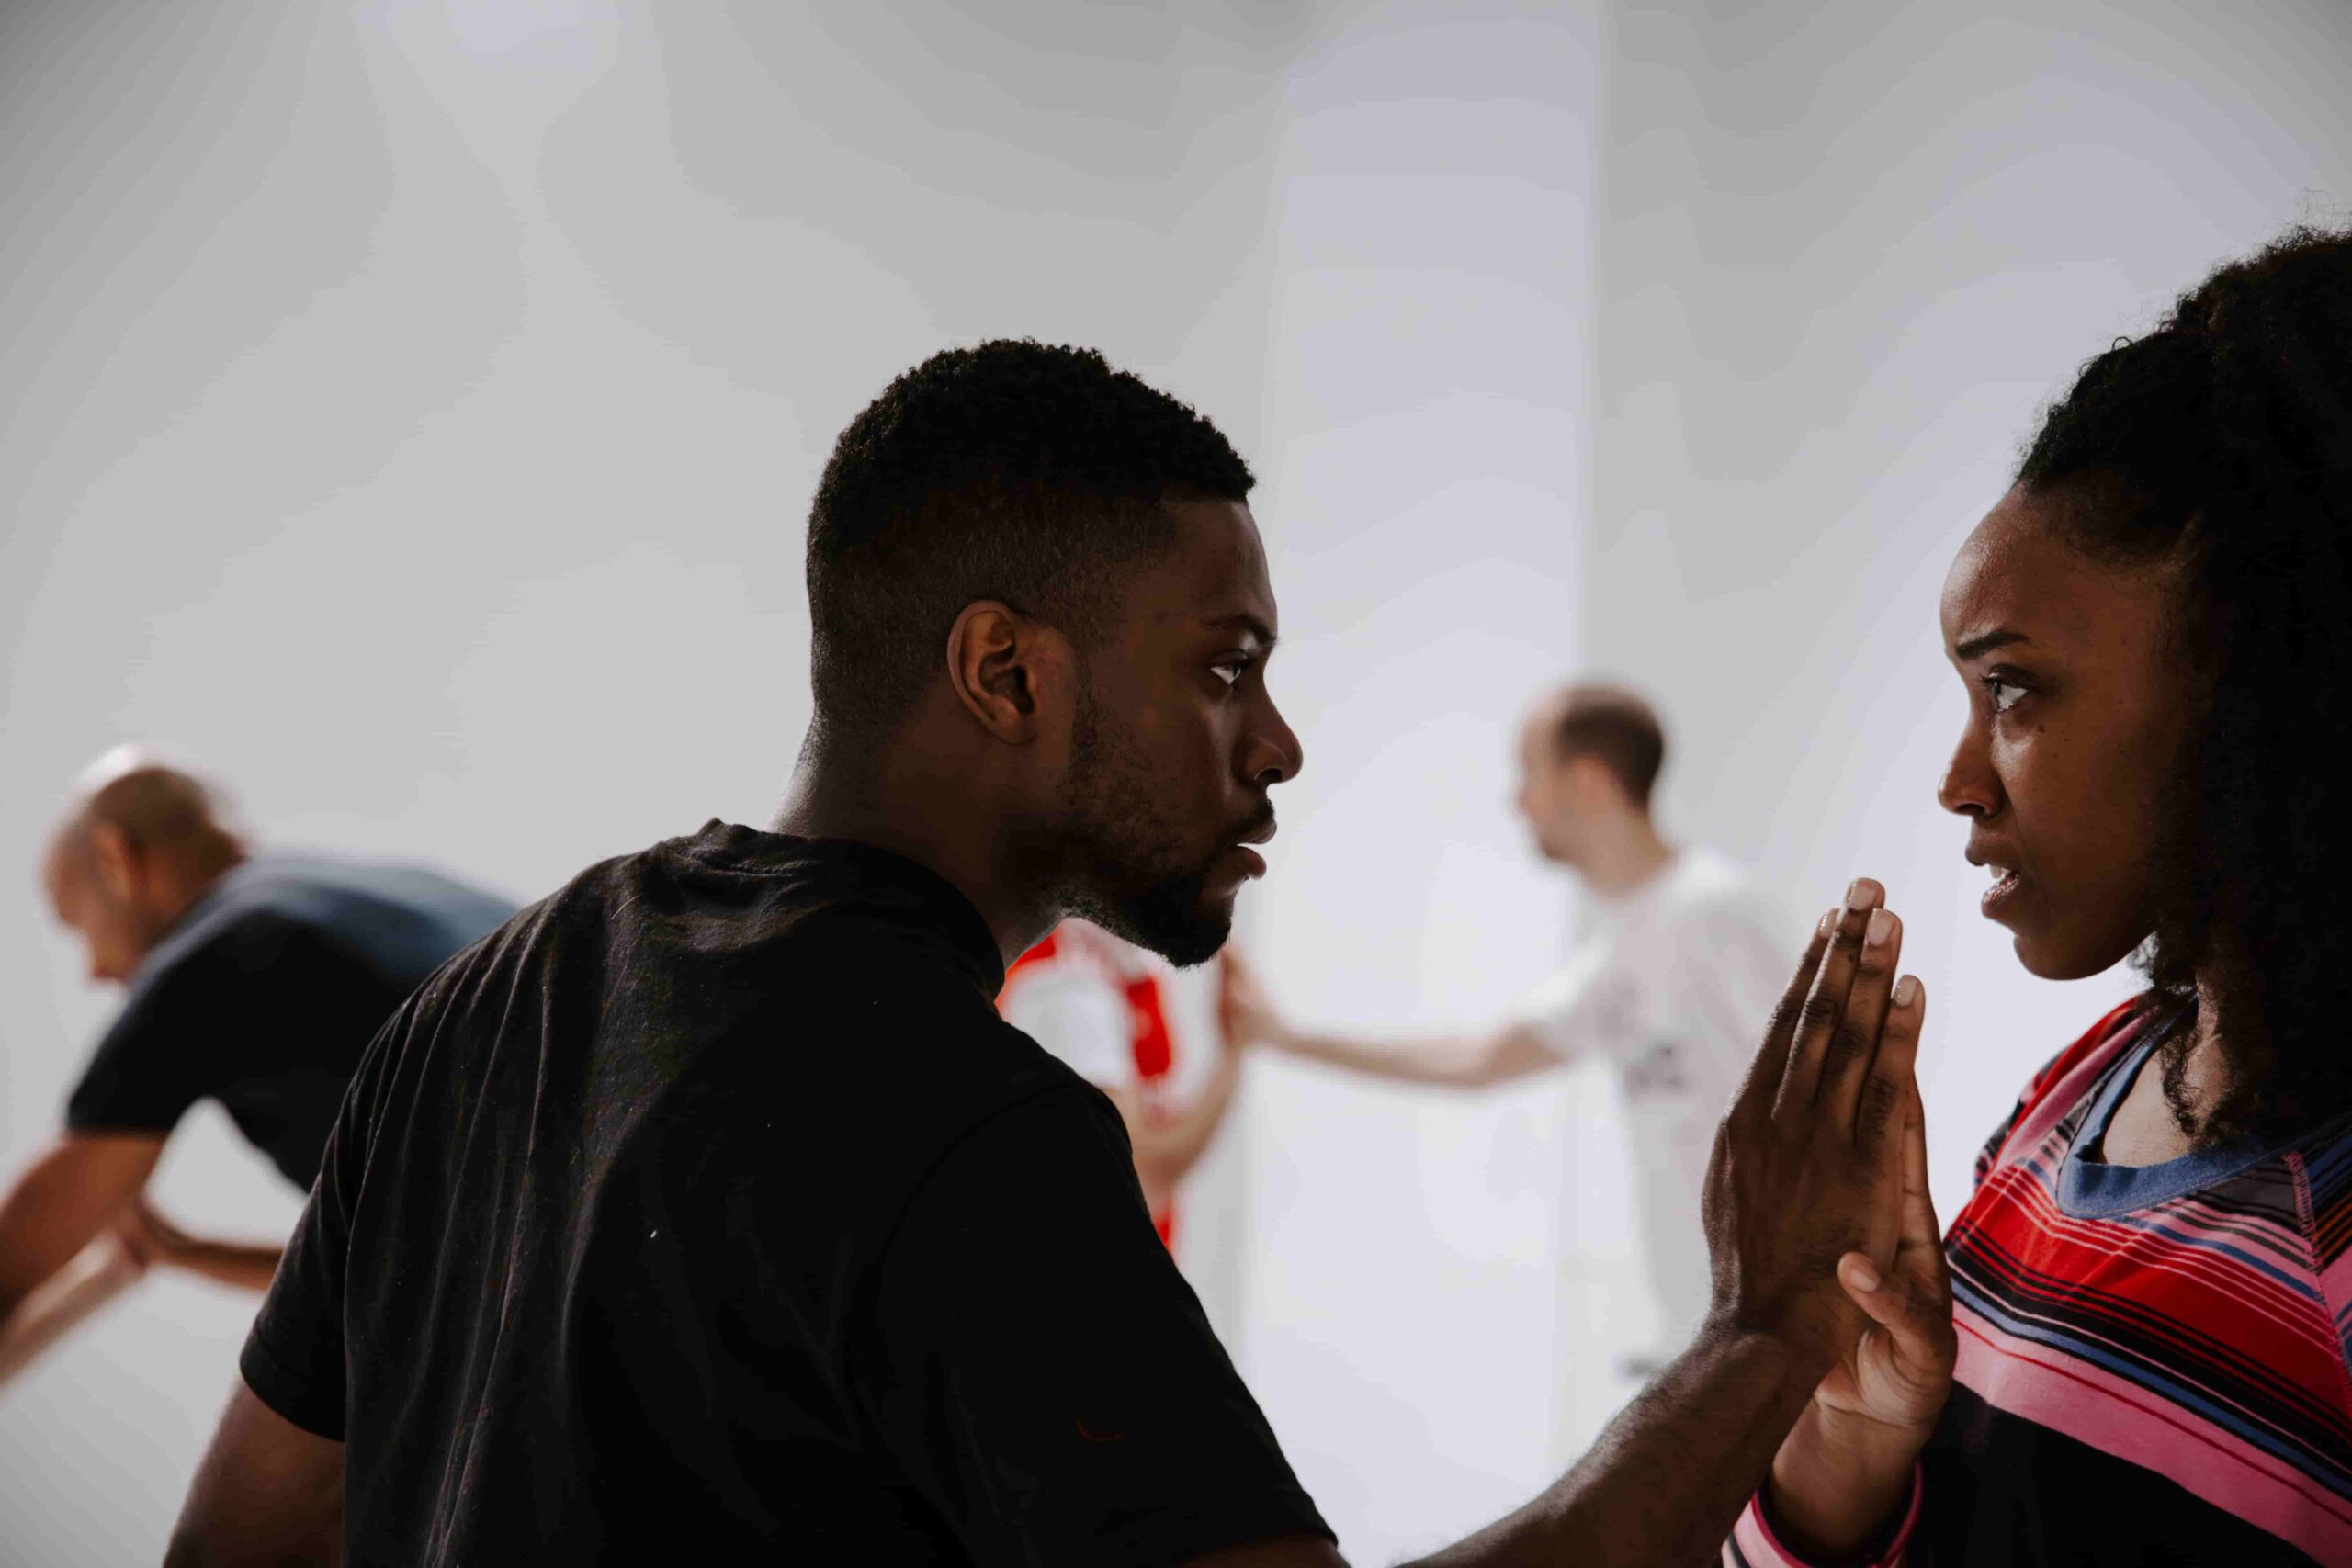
<point x="1045" y="1376"/>
<point x="293" y="1358"/>
<point x="161" y="1053"/>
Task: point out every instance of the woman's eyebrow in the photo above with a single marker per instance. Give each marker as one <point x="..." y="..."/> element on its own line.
<point x="1985" y="642"/>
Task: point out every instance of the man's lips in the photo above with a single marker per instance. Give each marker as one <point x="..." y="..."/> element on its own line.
<point x="1259" y="832"/>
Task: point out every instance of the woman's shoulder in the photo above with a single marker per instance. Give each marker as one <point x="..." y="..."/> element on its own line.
<point x="2089" y="1054"/>
<point x="2064" y="1083"/>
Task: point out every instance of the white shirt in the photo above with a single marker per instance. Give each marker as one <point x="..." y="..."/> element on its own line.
<point x="1674" y="986"/>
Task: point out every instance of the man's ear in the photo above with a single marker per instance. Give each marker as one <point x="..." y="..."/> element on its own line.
<point x="116" y="859"/>
<point x="1009" y="670"/>
<point x="1590" y="784"/>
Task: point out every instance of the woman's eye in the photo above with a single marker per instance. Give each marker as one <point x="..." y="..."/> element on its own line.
<point x="2004" y="694"/>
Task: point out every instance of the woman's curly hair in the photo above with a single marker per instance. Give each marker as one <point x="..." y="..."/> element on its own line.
<point x="2220" y="446"/>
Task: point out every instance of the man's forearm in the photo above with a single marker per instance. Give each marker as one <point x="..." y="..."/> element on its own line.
<point x="249" y="1266"/>
<point x="96" y="1274"/>
<point x="1667" y="1481"/>
<point x="1459" y="1061"/>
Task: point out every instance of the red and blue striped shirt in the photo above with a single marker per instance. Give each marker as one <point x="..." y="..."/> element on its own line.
<point x="2153" y="1359"/>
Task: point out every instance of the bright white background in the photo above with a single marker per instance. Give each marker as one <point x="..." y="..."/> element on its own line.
<point x="410" y="410"/>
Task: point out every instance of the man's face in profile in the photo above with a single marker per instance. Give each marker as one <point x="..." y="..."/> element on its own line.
<point x="1555" y="794"/>
<point x="115" y="933"/>
<point x="1175" y="741"/>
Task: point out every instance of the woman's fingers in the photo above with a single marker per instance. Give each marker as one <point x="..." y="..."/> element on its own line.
<point x="1896" y="1303"/>
<point x="1825" y="1004"/>
<point x="1918" y="1324"/>
<point x="1866" y="1285"/>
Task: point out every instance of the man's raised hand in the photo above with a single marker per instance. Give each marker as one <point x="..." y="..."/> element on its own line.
<point x="1808" y="1164"/>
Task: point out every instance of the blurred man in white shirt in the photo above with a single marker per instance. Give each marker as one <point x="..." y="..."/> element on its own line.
<point x="1672" y="985"/>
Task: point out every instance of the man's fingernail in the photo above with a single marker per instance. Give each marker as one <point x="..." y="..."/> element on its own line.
<point x="1865" y="1277"/>
<point x="1881" y="927"/>
<point x="1906" y="991"/>
<point x="1859" y="892"/>
<point x="1828" y="923"/>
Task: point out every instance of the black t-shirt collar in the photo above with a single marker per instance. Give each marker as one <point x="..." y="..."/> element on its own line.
<point x="882" y="878"/>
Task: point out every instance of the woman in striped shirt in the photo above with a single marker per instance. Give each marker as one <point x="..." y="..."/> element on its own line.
<point x="2132" y="1345"/>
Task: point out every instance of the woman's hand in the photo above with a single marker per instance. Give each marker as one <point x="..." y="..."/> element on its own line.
<point x="1847" y="1465"/>
<point x="1899" y="1372"/>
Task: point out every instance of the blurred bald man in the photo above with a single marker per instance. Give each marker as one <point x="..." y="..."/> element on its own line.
<point x="255" y="980"/>
<point x="1678" y="973"/>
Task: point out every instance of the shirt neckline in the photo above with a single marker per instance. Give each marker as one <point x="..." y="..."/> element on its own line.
<point x="2092" y="1189"/>
<point x="924" y="895"/>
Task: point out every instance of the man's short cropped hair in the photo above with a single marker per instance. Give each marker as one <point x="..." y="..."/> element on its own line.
<point x="1615" y="729"/>
<point x="1014" y="471"/>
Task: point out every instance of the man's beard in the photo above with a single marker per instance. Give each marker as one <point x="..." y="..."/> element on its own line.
<point x="1122" y="869"/>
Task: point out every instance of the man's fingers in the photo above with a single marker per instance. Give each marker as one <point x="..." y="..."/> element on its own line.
<point x="1825" y="1004"/>
<point x="1771" y="1060"/>
<point x="1890" y="1089"/>
<point x="1854" y="1038"/>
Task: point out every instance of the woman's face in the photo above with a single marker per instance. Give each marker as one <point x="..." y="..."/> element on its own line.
<point x="2075" y="719"/>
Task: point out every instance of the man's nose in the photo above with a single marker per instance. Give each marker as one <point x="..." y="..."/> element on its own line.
<point x="1275" y="755"/>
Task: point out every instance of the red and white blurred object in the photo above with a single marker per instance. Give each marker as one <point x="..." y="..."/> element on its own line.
<point x="1125" y="1019"/>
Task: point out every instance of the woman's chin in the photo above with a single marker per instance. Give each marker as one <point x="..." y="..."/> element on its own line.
<point x="2051" y="957"/>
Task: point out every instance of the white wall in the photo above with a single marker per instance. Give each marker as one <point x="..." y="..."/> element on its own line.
<point x="1841" y="267"/>
<point x="1425" y="471"/>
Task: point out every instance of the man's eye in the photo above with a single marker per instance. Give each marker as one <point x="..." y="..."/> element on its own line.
<point x="1229" y="670"/>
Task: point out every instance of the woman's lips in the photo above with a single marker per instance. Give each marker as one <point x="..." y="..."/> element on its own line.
<point x="2006" y="884"/>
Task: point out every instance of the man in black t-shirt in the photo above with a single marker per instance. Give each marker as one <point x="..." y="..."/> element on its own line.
<point x="710" y="1205"/>
<point x="254" y="980"/>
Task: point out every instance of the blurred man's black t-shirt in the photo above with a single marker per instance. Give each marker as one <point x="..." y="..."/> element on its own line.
<point x="264" y="993"/>
<point x="710" y="1207"/>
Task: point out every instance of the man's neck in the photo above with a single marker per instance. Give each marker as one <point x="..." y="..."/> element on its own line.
<point x="1627" y="860"/>
<point x="199" y="875"/>
<point x="936" y="827"/>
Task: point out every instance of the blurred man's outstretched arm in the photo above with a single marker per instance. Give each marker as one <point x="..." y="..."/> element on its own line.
<point x="1469" y="1059"/>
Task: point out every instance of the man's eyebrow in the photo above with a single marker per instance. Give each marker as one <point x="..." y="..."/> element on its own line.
<point x="1247" y="621"/>
<point x="1985" y="642"/>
